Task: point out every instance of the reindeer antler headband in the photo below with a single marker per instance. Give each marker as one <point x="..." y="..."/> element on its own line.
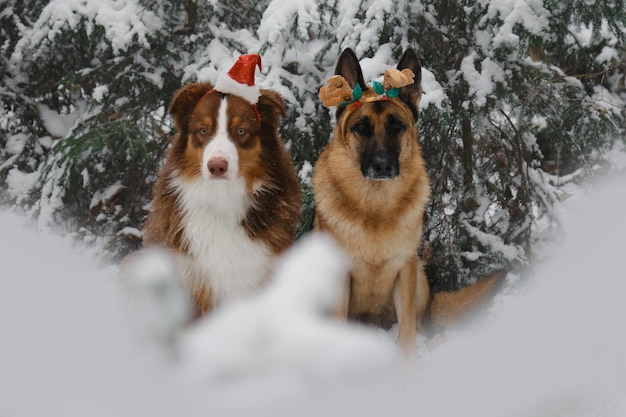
<point x="337" y="91"/>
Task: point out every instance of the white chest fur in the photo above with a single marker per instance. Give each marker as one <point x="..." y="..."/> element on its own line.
<point x="221" y="255"/>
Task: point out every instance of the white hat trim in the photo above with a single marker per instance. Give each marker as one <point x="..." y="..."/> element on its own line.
<point x="225" y="84"/>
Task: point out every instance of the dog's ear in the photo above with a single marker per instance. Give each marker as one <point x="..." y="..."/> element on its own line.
<point x="411" y="94"/>
<point x="349" y="68"/>
<point x="271" y="107"/>
<point x="184" y="101"/>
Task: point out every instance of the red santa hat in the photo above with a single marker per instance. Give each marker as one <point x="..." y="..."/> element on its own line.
<point x="239" y="80"/>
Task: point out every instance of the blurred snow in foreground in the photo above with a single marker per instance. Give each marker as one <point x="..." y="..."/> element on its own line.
<point x="553" y="344"/>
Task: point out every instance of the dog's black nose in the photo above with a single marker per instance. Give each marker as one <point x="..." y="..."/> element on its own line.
<point x="382" y="166"/>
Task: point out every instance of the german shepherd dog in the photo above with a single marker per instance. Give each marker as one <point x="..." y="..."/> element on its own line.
<point x="371" y="189"/>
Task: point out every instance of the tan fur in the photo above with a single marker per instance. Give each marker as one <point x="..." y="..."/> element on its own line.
<point x="380" y="226"/>
<point x="379" y="221"/>
<point x="449" y="309"/>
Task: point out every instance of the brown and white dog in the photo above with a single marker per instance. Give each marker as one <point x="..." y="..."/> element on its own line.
<point x="371" y="189"/>
<point x="227" y="200"/>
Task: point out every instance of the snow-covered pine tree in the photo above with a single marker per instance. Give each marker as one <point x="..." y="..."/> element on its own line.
<point x="519" y="98"/>
<point x="20" y="125"/>
<point x="516" y="119"/>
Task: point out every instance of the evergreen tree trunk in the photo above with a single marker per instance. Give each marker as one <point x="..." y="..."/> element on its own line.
<point x="468" y="157"/>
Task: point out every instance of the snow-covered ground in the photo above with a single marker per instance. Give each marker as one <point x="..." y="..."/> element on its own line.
<point x="553" y="344"/>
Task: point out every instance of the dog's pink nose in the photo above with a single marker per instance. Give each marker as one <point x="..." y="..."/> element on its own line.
<point x="217" y="167"/>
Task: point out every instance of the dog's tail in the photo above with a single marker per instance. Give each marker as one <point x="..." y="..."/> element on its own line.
<point x="448" y="309"/>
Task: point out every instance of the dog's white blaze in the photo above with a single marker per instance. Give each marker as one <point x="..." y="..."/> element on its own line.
<point x="221" y="255"/>
<point x="221" y="146"/>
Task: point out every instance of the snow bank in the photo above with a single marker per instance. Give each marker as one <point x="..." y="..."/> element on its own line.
<point x="553" y="344"/>
<point x="65" y="348"/>
<point x="287" y="329"/>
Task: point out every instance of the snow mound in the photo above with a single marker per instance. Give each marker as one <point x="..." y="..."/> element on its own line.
<point x="158" y="305"/>
<point x="287" y="327"/>
<point x="553" y="344"/>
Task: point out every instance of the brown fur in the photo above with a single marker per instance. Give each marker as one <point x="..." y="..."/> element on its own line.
<point x="448" y="309"/>
<point x="378" y="221"/>
<point x="271" y="182"/>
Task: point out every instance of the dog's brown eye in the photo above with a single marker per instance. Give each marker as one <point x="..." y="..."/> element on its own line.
<point x="362" y="127"/>
<point x="395" y="125"/>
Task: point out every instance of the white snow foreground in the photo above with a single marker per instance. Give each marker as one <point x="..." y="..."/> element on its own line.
<point x="554" y="344"/>
<point x="285" y="328"/>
